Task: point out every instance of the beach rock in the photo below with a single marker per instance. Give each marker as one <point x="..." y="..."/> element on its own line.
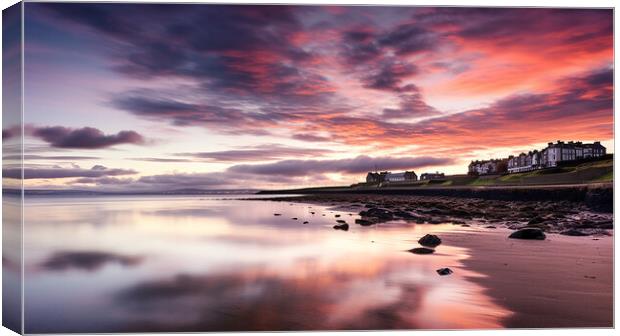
<point x="305" y="222"/>
<point x="421" y="250"/>
<point x="404" y="215"/>
<point x="574" y="233"/>
<point x="312" y="212"/>
<point x="465" y="225"/>
<point x="535" y="220"/>
<point x="344" y="227"/>
<point x="341" y="221"/>
<point x="377" y="213"/>
<point x="444" y="271"/>
<point x="337" y="216"/>
<point x="430" y="240"/>
<point x="491" y="227"/>
<point x="294" y="218"/>
<point x="600" y="199"/>
<point x="363" y="222"/>
<point x="528" y="233"/>
<point x="277" y="214"/>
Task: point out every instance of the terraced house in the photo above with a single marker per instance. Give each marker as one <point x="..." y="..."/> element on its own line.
<point x="487" y="167"/>
<point x="554" y="154"/>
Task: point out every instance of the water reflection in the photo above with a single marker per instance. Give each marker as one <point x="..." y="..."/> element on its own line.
<point x="200" y="264"/>
<point x="85" y="260"/>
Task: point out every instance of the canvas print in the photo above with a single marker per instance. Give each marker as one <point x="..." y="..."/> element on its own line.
<point x="202" y="167"/>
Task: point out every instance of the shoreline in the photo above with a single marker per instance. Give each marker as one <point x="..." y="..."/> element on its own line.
<point x="598" y="196"/>
<point x="561" y="282"/>
<point x="571" y="218"/>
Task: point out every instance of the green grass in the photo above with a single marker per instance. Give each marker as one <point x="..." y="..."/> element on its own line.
<point x="483" y="182"/>
<point x="585" y="172"/>
<point x="609" y="177"/>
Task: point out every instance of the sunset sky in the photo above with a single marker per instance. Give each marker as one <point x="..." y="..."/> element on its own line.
<point x="160" y="97"/>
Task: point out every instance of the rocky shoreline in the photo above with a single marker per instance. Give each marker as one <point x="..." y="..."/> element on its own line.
<point x="564" y="217"/>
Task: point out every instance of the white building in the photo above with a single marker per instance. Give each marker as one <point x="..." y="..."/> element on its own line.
<point x="494" y="166"/>
<point x="553" y="155"/>
<point x="524" y="162"/>
<point x="401" y="177"/>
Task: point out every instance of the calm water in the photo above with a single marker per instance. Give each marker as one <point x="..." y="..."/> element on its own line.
<point x="196" y="263"/>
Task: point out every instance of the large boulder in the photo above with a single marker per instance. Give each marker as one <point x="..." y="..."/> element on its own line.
<point x="430" y="240"/>
<point x="528" y="233"/>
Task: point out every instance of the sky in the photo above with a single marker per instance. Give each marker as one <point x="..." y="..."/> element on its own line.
<point x="153" y="97"/>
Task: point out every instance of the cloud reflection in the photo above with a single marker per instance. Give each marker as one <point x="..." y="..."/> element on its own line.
<point x="390" y="294"/>
<point x="86" y="260"/>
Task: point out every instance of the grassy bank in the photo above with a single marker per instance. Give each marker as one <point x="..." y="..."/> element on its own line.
<point x="583" y="181"/>
<point x="577" y="173"/>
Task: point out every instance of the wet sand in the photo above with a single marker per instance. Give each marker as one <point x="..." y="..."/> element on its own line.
<point x="561" y="282"/>
<point x="550" y="216"/>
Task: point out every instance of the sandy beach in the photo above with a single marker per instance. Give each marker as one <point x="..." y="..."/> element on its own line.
<point x="560" y="282"/>
<point x="563" y="281"/>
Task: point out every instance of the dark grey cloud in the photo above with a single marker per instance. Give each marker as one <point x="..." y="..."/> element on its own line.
<point x="241" y="60"/>
<point x="83" y="138"/>
<point x="358" y="165"/>
<point x="390" y="75"/>
<point x="258" y="153"/>
<point x="53" y="173"/>
<point x="86" y="260"/>
<point x="219" y="180"/>
<point x="104" y="180"/>
<point x="360" y="46"/>
<point x="180" y="113"/>
<point x="372" y="54"/>
<point x="411" y="105"/>
<point x="51" y="157"/>
<point x="364" y="45"/>
<point x="516" y="25"/>
<point x="222" y="46"/>
<point x="408" y="39"/>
